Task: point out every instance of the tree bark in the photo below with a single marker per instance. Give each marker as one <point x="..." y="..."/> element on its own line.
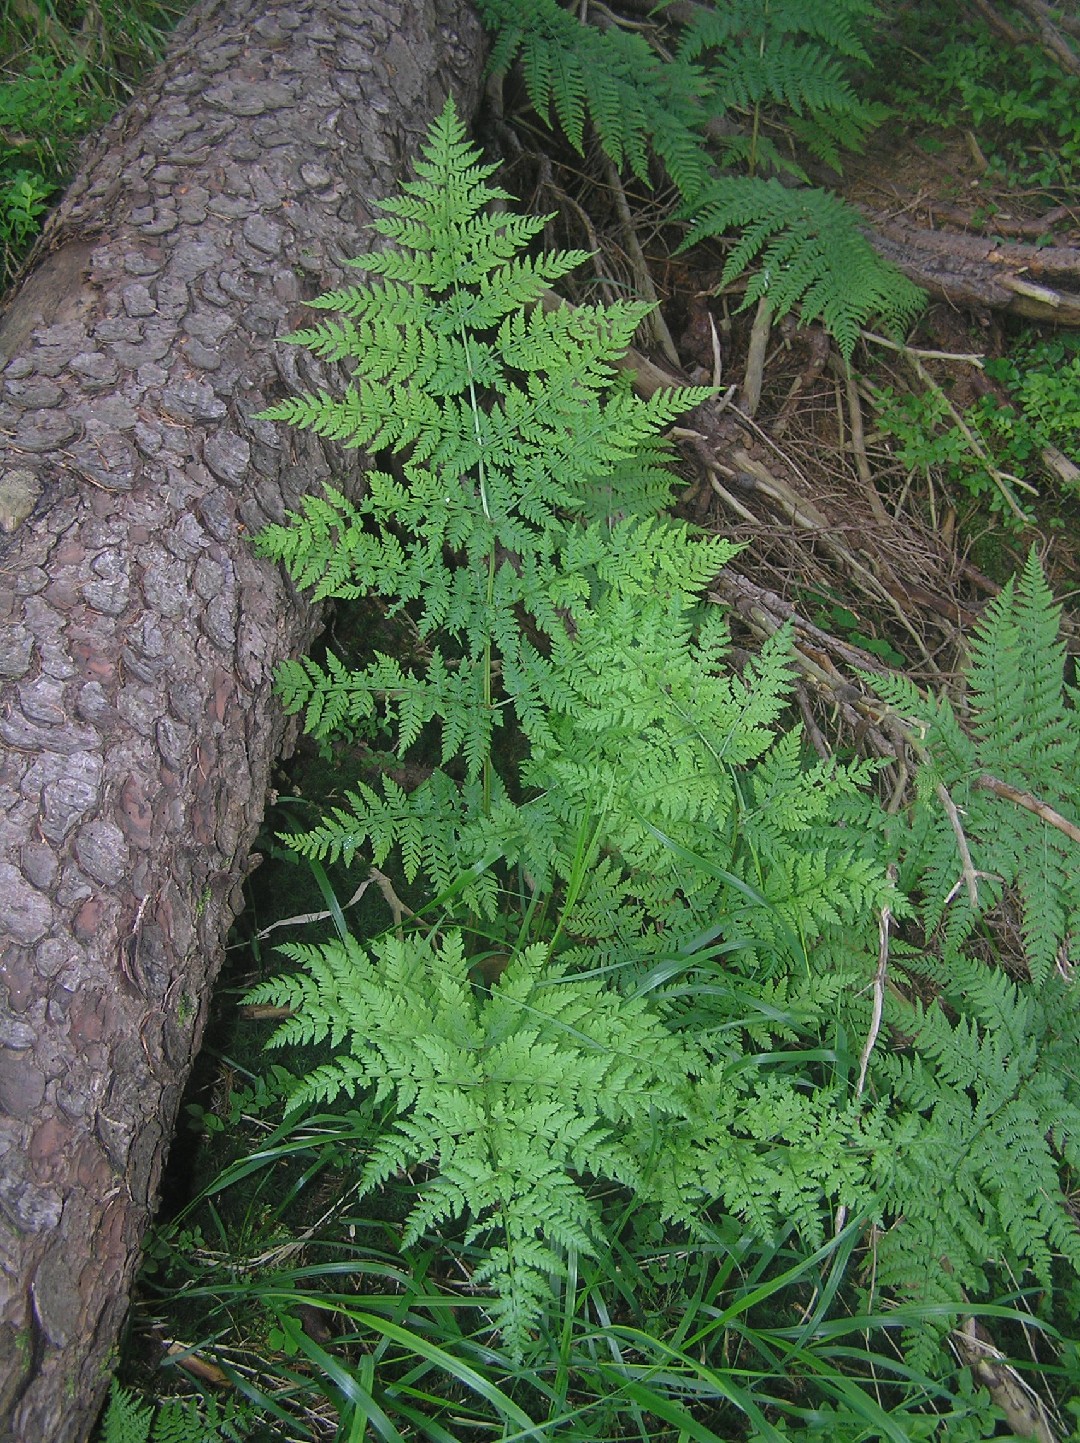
<point x="138" y="631"/>
<point x="1041" y="283"/>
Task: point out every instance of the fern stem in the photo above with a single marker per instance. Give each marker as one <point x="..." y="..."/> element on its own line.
<point x="490" y="595"/>
<point x="486" y="774"/>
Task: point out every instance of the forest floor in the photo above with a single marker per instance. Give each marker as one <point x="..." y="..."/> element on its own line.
<point x="880" y="502"/>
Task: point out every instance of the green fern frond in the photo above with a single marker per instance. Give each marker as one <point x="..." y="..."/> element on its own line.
<point x="636" y="102"/>
<point x="836" y="25"/>
<point x="128" y="1419"/>
<point x="509" y="1089"/>
<point x="980" y="1091"/>
<point x="810" y="253"/>
<point x="712" y="846"/>
<point x="790" y="58"/>
<point x="515" y="1097"/>
<point x="983" y="1074"/>
<point x="1016" y="680"/>
<point x="1023" y="734"/>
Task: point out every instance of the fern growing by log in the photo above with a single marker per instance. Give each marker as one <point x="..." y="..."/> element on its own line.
<point x="689" y="905"/>
<point x="513" y="423"/>
<point x="632" y="805"/>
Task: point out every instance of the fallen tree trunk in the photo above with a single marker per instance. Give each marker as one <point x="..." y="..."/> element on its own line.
<point x="138" y="632"/>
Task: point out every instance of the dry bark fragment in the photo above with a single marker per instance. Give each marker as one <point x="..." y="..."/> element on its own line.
<point x="1039" y="282"/>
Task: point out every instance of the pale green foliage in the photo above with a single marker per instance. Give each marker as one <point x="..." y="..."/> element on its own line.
<point x="775" y="69"/>
<point x="515" y="1095"/>
<point x="510" y="440"/>
<point x="697" y="886"/>
<point x="647" y="795"/>
<point x="653" y="731"/>
<point x="1019" y="730"/>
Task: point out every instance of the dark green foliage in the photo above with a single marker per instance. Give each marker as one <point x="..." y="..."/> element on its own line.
<point x="787" y="59"/>
<point x="811" y="253"/>
<point x="63" y="69"/>
<point x="638" y="102"/>
<point x="775" y="70"/>
<point x="1023" y="729"/>
<point x="987" y="1077"/>
<point x="129" y="1420"/>
<point x="989" y="1083"/>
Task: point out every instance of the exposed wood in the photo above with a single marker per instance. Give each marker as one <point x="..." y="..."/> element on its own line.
<point x="1039" y="282"/>
<point x="138" y="631"/>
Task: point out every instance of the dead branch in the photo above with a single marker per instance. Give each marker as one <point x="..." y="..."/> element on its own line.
<point x="1029" y="802"/>
<point x="1040" y="283"/>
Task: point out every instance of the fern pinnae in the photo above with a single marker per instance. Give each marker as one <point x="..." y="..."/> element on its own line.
<point x="129" y="1419"/>
<point x="812" y="254"/>
<point x="583" y="638"/>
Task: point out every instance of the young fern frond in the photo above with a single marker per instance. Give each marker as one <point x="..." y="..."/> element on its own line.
<point x="586" y="639"/>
